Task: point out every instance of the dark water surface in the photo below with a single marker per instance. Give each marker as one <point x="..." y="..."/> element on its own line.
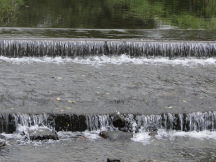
<point x="124" y="14"/>
<point x="158" y="19"/>
<point x="153" y="34"/>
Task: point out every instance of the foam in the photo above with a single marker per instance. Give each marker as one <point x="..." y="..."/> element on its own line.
<point x="141" y="137"/>
<point x="144" y="138"/>
<point x="199" y="135"/>
<point x="63" y="135"/>
<point x="117" y="60"/>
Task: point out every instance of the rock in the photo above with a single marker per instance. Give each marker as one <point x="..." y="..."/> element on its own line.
<point x="116" y="135"/>
<point x="113" y="160"/>
<point x="42" y="133"/>
<point x="2" y="137"/>
<point x="152" y="129"/>
<point x="67" y="122"/>
<point x="118" y="121"/>
<point x="153" y="133"/>
<point x="7" y="123"/>
<point x="123" y="123"/>
<point x="2" y="142"/>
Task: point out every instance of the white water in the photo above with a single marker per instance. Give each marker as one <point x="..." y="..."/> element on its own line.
<point x="144" y="138"/>
<point x="21" y="139"/>
<point x="117" y="60"/>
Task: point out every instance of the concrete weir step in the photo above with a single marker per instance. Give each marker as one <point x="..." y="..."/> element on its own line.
<point x="195" y="121"/>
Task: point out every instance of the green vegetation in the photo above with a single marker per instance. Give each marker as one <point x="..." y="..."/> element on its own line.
<point x="187" y="14"/>
<point x="8" y="10"/>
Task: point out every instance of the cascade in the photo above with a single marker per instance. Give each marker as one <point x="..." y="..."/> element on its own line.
<point x="82" y="48"/>
<point x="195" y="121"/>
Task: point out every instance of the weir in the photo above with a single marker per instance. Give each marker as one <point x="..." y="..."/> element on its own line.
<point x="96" y="47"/>
<point x="196" y="121"/>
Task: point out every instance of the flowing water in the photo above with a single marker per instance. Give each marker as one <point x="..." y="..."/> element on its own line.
<point x="74" y="66"/>
<point x="77" y="95"/>
<point x="168" y="145"/>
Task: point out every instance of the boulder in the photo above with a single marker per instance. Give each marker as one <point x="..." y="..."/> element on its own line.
<point x="116" y="135"/>
<point x="42" y="133"/>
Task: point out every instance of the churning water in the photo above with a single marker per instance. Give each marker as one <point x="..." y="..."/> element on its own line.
<point x="81" y="132"/>
<point x="99" y="52"/>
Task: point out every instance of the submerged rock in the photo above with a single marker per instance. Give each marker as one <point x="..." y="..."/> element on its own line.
<point x="2" y="142"/>
<point x="153" y="130"/>
<point x="113" y="160"/>
<point x="153" y="134"/>
<point x="148" y="161"/>
<point x="116" y="135"/>
<point x="42" y="134"/>
<point x="2" y="137"/>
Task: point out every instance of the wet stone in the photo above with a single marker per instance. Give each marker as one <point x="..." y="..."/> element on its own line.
<point x="2" y="142"/>
<point x="78" y="123"/>
<point x="118" y="121"/>
<point x="152" y="129"/>
<point x="113" y="160"/>
<point x="7" y="123"/>
<point x="62" y="122"/>
<point x="42" y="134"/>
<point x="67" y="122"/>
<point x="2" y="137"/>
<point x="116" y="135"/>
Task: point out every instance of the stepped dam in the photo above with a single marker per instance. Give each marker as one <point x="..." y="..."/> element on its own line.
<point x="76" y="89"/>
<point x="107" y="80"/>
<point x="59" y="95"/>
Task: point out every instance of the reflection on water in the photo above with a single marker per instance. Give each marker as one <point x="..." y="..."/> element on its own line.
<point x="155" y="34"/>
<point x="145" y="14"/>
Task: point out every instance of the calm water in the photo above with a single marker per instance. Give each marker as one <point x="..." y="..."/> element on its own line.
<point x="165" y="16"/>
<point x="141" y="14"/>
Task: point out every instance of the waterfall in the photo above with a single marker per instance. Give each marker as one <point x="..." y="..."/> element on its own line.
<point x="82" y="48"/>
<point x="30" y="119"/>
<point x="195" y="121"/>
